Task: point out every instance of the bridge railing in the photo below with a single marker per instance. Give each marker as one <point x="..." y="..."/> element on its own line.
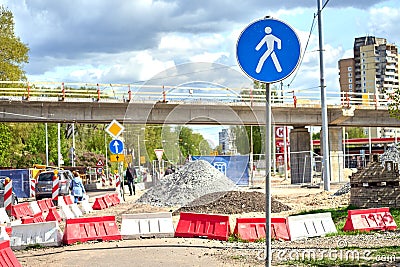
<point x="87" y="92"/>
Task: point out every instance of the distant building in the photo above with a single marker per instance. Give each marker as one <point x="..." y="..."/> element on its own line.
<point x="346" y="75"/>
<point x="227" y="142"/>
<point x="224" y="141"/>
<point x="373" y="70"/>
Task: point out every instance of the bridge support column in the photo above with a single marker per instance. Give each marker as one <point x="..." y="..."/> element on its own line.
<point x="300" y="156"/>
<point x="336" y="153"/>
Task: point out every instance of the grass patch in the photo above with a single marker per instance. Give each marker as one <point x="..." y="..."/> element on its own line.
<point x="234" y="238"/>
<point x="34" y="246"/>
<point x="328" y="262"/>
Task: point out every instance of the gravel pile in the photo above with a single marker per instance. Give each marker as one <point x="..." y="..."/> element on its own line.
<point x="232" y="202"/>
<point x="193" y="180"/>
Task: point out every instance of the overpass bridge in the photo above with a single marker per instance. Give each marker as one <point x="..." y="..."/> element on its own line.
<point x="132" y="104"/>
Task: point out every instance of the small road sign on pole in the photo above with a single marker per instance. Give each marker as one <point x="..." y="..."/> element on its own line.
<point x="117" y="158"/>
<point x="116" y="146"/>
<point x="115" y="129"/>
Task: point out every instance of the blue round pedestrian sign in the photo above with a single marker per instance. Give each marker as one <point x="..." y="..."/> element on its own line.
<point x="268" y="50"/>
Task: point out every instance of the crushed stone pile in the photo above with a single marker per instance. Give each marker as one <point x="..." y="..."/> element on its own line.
<point x="232" y="202"/>
<point x="193" y="180"/>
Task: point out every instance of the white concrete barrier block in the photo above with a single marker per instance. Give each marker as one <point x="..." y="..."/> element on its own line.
<point x="61" y="201"/>
<point x="66" y="212"/>
<point x="310" y="225"/>
<point x="3" y="216"/>
<point x="44" y="234"/>
<point x="147" y="225"/>
<point x="3" y="233"/>
<point x="76" y="210"/>
<point x="86" y="207"/>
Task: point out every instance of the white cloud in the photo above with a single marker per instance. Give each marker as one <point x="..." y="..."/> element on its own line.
<point x="208" y="57"/>
<point x="384" y="23"/>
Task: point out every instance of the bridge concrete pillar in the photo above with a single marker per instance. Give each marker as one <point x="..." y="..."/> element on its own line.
<point x="300" y="156"/>
<point x="336" y="153"/>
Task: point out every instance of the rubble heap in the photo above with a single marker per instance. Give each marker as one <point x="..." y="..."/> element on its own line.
<point x="193" y="180"/>
<point x="232" y="202"/>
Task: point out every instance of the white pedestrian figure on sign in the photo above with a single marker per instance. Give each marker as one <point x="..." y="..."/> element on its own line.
<point x="269" y="40"/>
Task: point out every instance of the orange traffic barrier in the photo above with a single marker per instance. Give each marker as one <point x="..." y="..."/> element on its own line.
<point x="203" y="225"/>
<point x="99" y="204"/>
<point x="53" y="215"/>
<point x="43" y="205"/>
<point x="280" y="229"/>
<point x="49" y="202"/>
<point x="252" y="229"/>
<point x="7" y="256"/>
<point x="369" y="219"/>
<point x="21" y="210"/>
<point x="92" y="228"/>
<point x="107" y="200"/>
<point x="114" y="198"/>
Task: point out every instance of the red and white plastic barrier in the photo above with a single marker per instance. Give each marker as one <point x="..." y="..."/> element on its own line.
<point x="8" y="195"/>
<point x="103" y="180"/>
<point x="54" y="195"/>
<point x="110" y="177"/>
<point x="32" y="186"/>
<point x="117" y="183"/>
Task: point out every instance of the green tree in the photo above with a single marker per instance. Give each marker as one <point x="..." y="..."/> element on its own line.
<point x="356" y="132"/>
<point x="13" y="53"/>
<point x="5" y="141"/>
<point x="154" y="141"/>
<point x="243" y="139"/>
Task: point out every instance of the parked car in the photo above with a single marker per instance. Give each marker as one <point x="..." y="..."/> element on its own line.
<point x="44" y="184"/>
<point x="14" y="196"/>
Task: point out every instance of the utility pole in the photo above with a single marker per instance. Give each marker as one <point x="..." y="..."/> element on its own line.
<point x="325" y="135"/>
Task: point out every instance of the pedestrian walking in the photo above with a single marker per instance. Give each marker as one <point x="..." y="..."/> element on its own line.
<point x="131" y="176"/>
<point x="77" y="188"/>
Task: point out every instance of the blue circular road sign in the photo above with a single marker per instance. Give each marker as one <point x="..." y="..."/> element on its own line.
<point x="116" y="146"/>
<point x="268" y="50"/>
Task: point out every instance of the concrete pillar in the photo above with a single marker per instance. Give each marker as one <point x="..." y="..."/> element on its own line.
<point x="300" y="156"/>
<point x="336" y="153"/>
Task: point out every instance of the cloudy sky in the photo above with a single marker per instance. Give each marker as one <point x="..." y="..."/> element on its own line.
<point x="123" y="41"/>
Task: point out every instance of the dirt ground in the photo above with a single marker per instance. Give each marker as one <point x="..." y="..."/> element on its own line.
<point x="179" y="251"/>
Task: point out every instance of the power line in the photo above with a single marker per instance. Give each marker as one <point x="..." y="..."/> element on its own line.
<point x="308" y="40"/>
<point x="327" y="1"/>
<point x="305" y="49"/>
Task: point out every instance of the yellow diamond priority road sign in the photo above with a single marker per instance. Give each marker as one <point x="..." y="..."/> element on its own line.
<point x="115" y="128"/>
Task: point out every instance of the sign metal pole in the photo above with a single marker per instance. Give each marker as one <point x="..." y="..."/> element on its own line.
<point x="268" y="175"/>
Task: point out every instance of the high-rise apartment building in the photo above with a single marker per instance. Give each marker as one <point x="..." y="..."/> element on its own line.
<point x="374" y="68"/>
<point x="346" y="75"/>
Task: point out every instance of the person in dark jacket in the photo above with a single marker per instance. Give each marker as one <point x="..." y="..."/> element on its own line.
<point x="130" y="176"/>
